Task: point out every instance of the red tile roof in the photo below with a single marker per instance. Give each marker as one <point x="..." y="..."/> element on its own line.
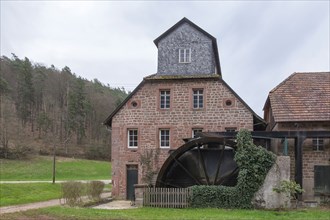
<point x="302" y="97"/>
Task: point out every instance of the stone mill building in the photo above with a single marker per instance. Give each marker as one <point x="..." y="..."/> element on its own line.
<point x="186" y="95"/>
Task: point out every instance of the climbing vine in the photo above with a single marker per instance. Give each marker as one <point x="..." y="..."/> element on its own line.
<point x="148" y="161"/>
<point x="254" y="163"/>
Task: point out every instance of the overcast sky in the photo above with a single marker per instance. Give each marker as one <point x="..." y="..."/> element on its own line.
<point x="260" y="43"/>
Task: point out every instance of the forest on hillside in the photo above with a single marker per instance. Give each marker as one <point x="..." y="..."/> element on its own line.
<point x="44" y="108"/>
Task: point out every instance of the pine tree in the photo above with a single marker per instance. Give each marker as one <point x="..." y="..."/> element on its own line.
<point x="78" y="109"/>
<point x="25" y="90"/>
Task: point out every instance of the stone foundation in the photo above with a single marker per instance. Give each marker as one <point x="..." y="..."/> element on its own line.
<point x="139" y="189"/>
<point x="268" y="199"/>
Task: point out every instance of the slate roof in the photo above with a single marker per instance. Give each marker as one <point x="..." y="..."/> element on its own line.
<point x="301" y="97"/>
<point x="186" y="20"/>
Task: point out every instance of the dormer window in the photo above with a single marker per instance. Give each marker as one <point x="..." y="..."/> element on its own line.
<point x="184" y="55"/>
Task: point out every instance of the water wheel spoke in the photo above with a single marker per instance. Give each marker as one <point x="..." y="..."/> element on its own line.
<point x="224" y="178"/>
<point x="219" y="165"/>
<point x="187" y="171"/>
<point x="203" y="164"/>
<point x="191" y="164"/>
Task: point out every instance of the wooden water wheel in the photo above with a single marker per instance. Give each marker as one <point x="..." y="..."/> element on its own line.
<point x="206" y="160"/>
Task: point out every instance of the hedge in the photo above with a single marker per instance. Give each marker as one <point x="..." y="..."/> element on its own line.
<point x="254" y="162"/>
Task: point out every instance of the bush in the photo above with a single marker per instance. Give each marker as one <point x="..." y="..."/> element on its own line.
<point x="290" y="189"/>
<point x="254" y="163"/>
<point x="16" y="152"/>
<point x="72" y="192"/>
<point x="94" y="190"/>
<point x="213" y="196"/>
<point x="98" y="152"/>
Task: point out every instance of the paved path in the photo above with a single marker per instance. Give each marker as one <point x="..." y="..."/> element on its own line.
<point x="36" y="205"/>
<point x="24" y="207"/>
<point x="116" y="204"/>
<point x="46" y="181"/>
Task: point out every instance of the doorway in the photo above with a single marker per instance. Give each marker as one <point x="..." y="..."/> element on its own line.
<point x="132" y="178"/>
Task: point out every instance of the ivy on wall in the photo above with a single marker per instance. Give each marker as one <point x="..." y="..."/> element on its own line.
<point x="148" y="161"/>
<point x="254" y="163"/>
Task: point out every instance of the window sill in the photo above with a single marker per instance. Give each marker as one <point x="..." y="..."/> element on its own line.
<point x="164" y="148"/>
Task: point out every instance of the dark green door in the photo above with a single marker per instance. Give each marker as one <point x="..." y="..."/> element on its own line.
<point x="132" y="178"/>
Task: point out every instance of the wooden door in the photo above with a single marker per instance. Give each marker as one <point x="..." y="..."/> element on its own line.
<point x="132" y="178"/>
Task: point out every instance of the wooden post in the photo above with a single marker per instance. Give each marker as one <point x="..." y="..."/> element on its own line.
<point x="299" y="161"/>
<point x="54" y="159"/>
<point x="285" y="147"/>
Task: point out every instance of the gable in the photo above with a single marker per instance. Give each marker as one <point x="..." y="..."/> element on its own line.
<point x="220" y="89"/>
<point x="203" y="66"/>
<point x="201" y="47"/>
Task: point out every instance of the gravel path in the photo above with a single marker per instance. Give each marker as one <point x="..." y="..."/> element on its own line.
<point x="36" y="205"/>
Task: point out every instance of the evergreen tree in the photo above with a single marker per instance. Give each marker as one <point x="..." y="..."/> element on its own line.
<point x="58" y="103"/>
<point x="25" y="90"/>
<point x="78" y="108"/>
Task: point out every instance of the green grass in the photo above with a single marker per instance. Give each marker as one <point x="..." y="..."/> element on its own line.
<point x="158" y="214"/>
<point x="23" y="193"/>
<point x="40" y="168"/>
<point x="15" y="194"/>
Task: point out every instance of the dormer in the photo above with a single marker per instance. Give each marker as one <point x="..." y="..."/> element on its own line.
<point x="186" y="49"/>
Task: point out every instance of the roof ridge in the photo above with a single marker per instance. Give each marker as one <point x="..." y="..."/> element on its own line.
<point x="291" y="76"/>
<point x="183" y="20"/>
<point x="313" y="72"/>
<point x="283" y="82"/>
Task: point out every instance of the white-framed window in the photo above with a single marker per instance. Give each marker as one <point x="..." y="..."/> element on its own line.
<point x="164" y="138"/>
<point x="195" y="131"/>
<point x="184" y="55"/>
<point x="165" y="99"/>
<point x="318" y="144"/>
<point x="132" y="138"/>
<point x="198" y="98"/>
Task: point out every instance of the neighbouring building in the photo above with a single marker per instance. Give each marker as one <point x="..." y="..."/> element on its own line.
<point x="185" y="96"/>
<point x="302" y="103"/>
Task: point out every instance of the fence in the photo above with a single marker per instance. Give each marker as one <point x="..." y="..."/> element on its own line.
<point x="166" y="197"/>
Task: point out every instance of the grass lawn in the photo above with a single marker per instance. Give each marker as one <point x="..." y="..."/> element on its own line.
<point x="40" y="168"/>
<point x="15" y="194"/>
<point x="22" y="193"/>
<point x="159" y="213"/>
